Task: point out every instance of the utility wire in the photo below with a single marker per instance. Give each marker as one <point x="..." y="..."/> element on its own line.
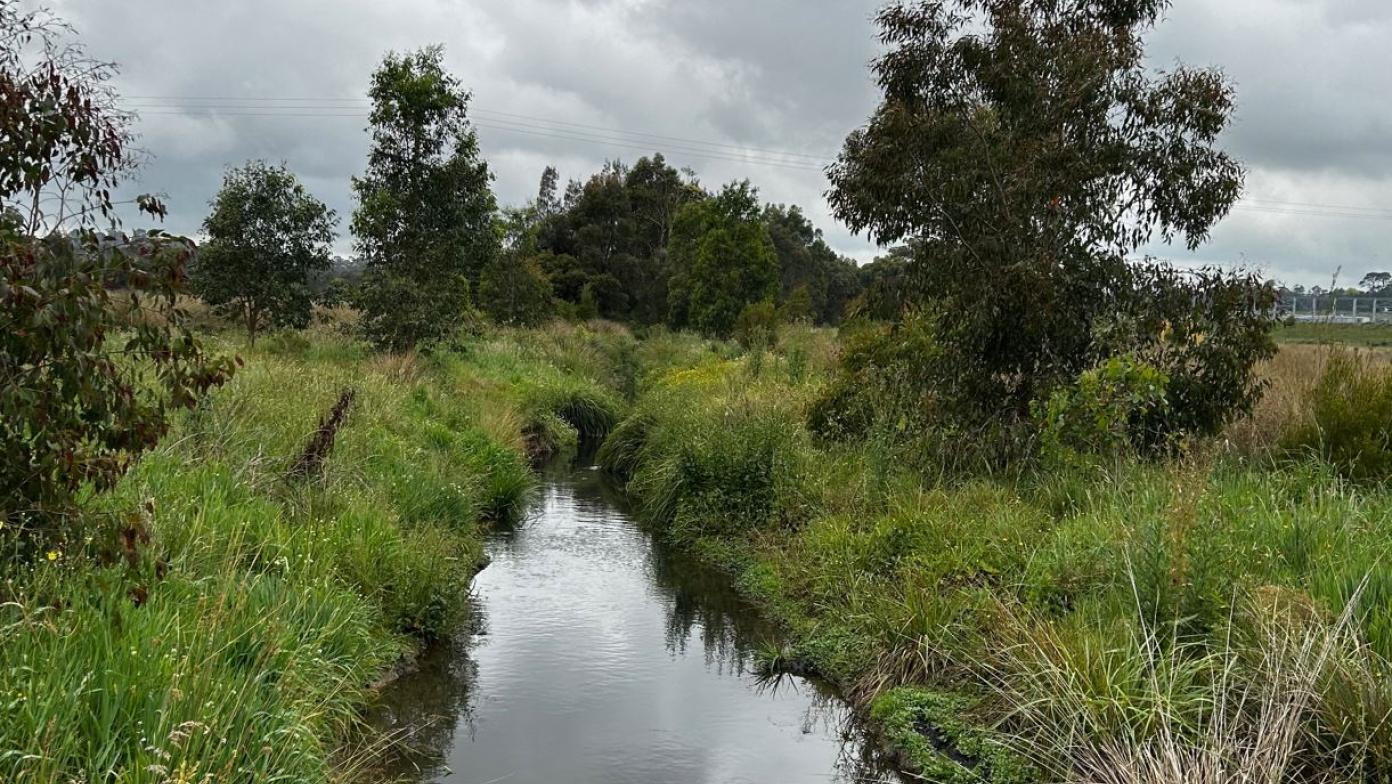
<point x="319" y="104"/>
<point x="543" y="127"/>
<point x="526" y="130"/>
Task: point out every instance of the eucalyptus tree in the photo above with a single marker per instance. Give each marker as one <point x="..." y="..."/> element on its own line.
<point x="426" y="220"/>
<point x="266" y="236"/>
<point x="88" y="375"/>
<point x="1024" y="150"/>
<point x="722" y="260"/>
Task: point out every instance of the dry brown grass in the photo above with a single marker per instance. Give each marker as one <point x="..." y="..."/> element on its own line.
<point x="1292" y="375"/>
<point x="341" y="318"/>
<point x="401" y="368"/>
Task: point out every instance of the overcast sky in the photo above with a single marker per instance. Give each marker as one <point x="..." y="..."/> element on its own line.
<point x="763" y="89"/>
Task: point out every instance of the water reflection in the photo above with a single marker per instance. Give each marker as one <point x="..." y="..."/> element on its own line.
<point x="596" y="656"/>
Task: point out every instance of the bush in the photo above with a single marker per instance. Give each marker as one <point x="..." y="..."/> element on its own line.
<point x="71" y="415"/>
<point x="1205" y="331"/>
<point x="87" y="379"/>
<point x="1350" y="422"/>
<point x="883" y="379"/>
<point x="756" y="327"/>
<point x="515" y="292"/>
<point x="1177" y="358"/>
<point x="1106" y="412"/>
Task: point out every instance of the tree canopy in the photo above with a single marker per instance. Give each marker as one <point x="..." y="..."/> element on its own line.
<point x="426" y="221"/>
<point x="514" y="291"/>
<point x="266" y="236"/>
<point x="722" y="260"/>
<point x="1024" y="151"/>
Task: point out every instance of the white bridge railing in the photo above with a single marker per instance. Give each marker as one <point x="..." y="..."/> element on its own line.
<point x="1339" y="309"/>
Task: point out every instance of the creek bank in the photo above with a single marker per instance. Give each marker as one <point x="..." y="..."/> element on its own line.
<point x="826" y="540"/>
<point x="599" y="654"/>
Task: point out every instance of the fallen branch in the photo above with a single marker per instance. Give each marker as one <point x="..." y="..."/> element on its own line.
<point x="311" y="459"/>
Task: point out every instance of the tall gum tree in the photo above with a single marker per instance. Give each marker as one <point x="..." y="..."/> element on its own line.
<point x="426" y="220"/>
<point x="1024" y="151"/>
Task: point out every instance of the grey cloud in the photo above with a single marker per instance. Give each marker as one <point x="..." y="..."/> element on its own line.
<point x="1313" y="77"/>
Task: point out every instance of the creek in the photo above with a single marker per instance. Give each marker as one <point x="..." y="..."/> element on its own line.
<point x="599" y="655"/>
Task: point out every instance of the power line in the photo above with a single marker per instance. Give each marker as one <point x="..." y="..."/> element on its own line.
<point x="543" y="127"/>
<point x="319" y="104"/>
<point x="522" y="129"/>
<point x="1382" y="210"/>
<point x="1308" y="213"/>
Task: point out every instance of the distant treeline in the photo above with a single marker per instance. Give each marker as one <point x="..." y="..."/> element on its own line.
<point x="603" y="247"/>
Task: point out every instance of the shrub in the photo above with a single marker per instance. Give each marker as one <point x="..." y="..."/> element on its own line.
<point x="87" y="380"/>
<point x="756" y="327"/>
<point x="1105" y="412"/>
<point x="514" y="291"/>
<point x="1350" y="418"/>
<point x="1205" y="331"/>
<point x="882" y="380"/>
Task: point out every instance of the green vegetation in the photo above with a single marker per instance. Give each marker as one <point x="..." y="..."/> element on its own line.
<point x="1023" y="153"/>
<point x="644" y="244"/>
<point x="223" y="618"/>
<point x="722" y="261"/>
<point x="1033" y="508"/>
<point x="1350" y="418"/>
<point x="266" y="236"/>
<point x="1066" y="617"/>
<point x="935" y="734"/>
<point x="515" y="292"/>
<point x="76" y="408"/>
<point x="426" y="212"/>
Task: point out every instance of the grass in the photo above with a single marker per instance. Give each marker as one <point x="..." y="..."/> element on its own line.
<point x="1130" y="603"/>
<point x="1364" y="335"/>
<point x="223" y="622"/>
<point x="1223" y="616"/>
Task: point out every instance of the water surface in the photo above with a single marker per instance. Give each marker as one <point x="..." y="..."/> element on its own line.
<point x="598" y="655"/>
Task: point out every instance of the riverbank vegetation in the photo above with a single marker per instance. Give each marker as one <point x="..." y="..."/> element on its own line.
<point x="223" y="617"/>
<point x="1057" y="621"/>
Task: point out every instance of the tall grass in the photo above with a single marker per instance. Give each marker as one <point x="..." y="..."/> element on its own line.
<point x="238" y="643"/>
<point x="1101" y="602"/>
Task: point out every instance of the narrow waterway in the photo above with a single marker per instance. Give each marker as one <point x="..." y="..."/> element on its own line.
<point x="597" y="655"/>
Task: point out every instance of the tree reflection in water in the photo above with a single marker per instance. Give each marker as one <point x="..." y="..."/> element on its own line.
<point x="428" y="713"/>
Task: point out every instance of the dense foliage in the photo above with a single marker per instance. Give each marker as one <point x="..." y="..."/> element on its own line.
<point x="1196" y="619"/>
<point x="722" y="260"/>
<point x="810" y="271"/>
<point x="266" y="236"/>
<point x="513" y="291"/>
<point x="425" y="222"/>
<point x="1023" y="152"/>
<point x="609" y="237"/>
<point x="606" y="246"/>
<point x="87" y="378"/>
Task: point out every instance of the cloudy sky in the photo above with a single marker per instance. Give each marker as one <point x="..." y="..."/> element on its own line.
<point x="763" y="89"/>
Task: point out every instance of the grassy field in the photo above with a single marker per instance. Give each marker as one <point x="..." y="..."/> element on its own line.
<point x="225" y="620"/>
<point x="1227" y="611"/>
<point x="1230" y="608"/>
<point x="1366" y="335"/>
